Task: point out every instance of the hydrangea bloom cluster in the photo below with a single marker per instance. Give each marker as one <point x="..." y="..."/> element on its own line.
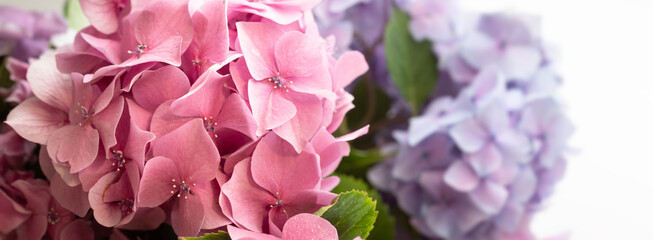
<point x="202" y="114"/>
<point x="483" y="157"/>
<point x="24" y="35"/>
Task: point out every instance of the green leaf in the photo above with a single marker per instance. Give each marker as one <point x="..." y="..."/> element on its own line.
<point x="221" y="235"/>
<point x="74" y="15"/>
<point x="412" y="65"/>
<point x="385" y="222"/>
<point x="353" y="214"/>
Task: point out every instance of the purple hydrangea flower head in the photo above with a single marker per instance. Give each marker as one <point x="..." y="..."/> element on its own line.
<point x="434" y="20"/>
<point x="479" y="162"/>
<point x="25" y="35"/>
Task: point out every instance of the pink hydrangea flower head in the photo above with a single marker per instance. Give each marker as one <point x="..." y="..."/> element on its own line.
<point x="258" y="193"/>
<point x="185" y="160"/>
<point x="290" y="75"/>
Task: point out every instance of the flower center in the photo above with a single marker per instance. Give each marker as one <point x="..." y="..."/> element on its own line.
<point x="118" y="160"/>
<point x="139" y="50"/>
<point x="126" y="206"/>
<point x="182" y="188"/>
<point x="53" y="216"/>
<point x="210" y="126"/>
<point x="279" y="82"/>
<point x="84" y="115"/>
<point x="278" y="202"/>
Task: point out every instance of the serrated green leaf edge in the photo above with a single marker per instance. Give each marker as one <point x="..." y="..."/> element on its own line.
<point x="385" y="222"/>
<point x="412" y="65"/>
<point x="340" y="214"/>
<point x="220" y="235"/>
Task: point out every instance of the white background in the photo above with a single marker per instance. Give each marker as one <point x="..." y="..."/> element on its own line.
<point x="607" y="63"/>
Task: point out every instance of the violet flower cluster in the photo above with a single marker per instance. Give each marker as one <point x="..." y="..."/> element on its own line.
<point x="203" y="114"/>
<point x="23" y="36"/>
<point x="484" y="156"/>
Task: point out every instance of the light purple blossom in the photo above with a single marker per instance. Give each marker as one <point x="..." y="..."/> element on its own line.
<point x="25" y="35"/>
<point x="479" y="162"/>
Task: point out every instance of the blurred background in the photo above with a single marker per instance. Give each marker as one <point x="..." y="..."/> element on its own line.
<point x="607" y="49"/>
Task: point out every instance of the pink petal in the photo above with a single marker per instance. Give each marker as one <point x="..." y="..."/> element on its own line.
<point x="75" y="199"/>
<point x="258" y="49"/>
<point x="249" y="202"/>
<point x="307" y="201"/>
<point x="107" y="47"/>
<point x="136" y="143"/>
<point x="145" y="219"/>
<point x="78" y="229"/>
<point x="100" y="167"/>
<point x="156" y="183"/>
<point x="305" y="123"/>
<point x="242" y="234"/>
<point x="36" y="121"/>
<point x="106" y="122"/>
<point x="81" y="62"/>
<point x="329" y="183"/>
<point x="13" y="214"/>
<point x="211" y="33"/>
<point x="461" y="177"/>
<point x="158" y="86"/>
<point x="209" y="194"/>
<point x="272" y="156"/>
<point x="77" y="145"/>
<point x="102" y="14"/>
<point x="191" y="149"/>
<point x="206" y="97"/>
<point x="164" y="121"/>
<point x="159" y="22"/>
<point x="139" y="115"/>
<point x="301" y="58"/>
<point x="48" y="84"/>
<point x="354" y="135"/>
<point x="349" y="66"/>
<point x="236" y="115"/>
<point x="240" y="76"/>
<point x="329" y="150"/>
<point x="17" y="69"/>
<point x="344" y="103"/>
<point x="34" y="228"/>
<point x="269" y="108"/>
<point x="307" y="225"/>
<point x="50" y="169"/>
<point x="187" y="216"/>
<point x="104" y="213"/>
